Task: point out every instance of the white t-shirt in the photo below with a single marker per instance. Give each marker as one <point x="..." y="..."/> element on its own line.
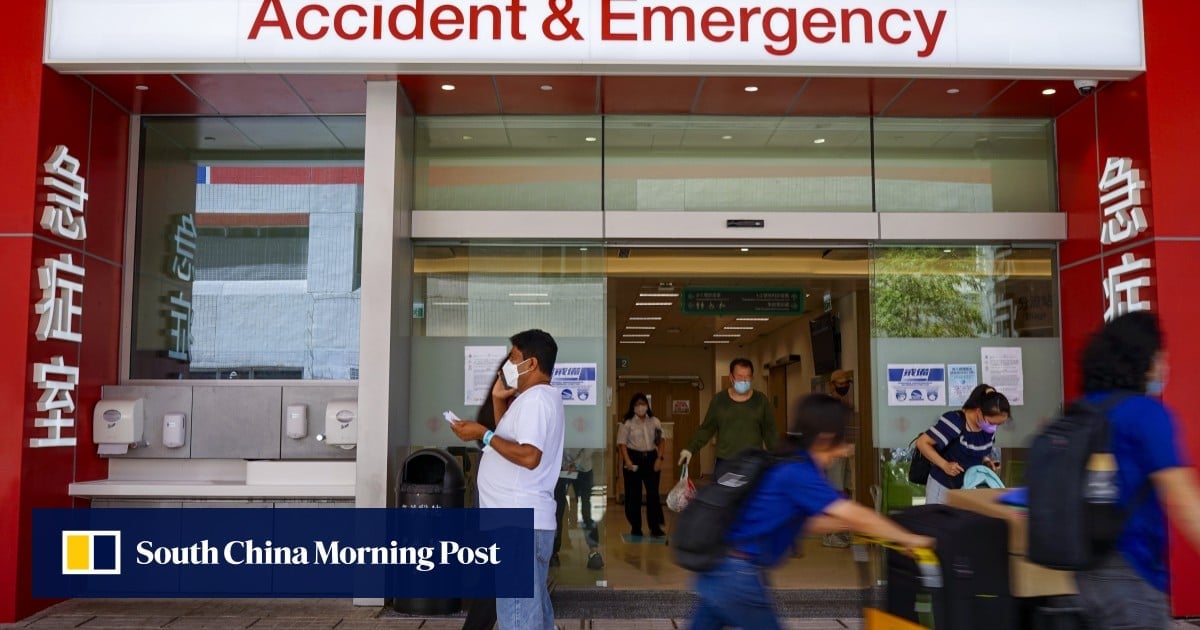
<point x="536" y="418"/>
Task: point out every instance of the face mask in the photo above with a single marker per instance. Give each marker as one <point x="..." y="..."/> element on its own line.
<point x="988" y="427"/>
<point x="741" y="387"/>
<point x="511" y="374"/>
<point x="1155" y="388"/>
<point x="641" y="410"/>
<point x="842" y="390"/>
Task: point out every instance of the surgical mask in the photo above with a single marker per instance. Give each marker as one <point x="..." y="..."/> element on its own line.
<point x="511" y="374"/>
<point x="1155" y="388"/>
<point x="641" y="410"/>
<point x="842" y="390"/>
<point x="988" y="427"/>
<point x="741" y="387"/>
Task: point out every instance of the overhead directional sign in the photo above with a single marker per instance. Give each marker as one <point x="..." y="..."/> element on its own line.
<point x="742" y="301"/>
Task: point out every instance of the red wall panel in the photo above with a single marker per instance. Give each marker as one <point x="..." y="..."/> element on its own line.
<point x="1082" y="308"/>
<point x="1078" y="181"/>
<point x="106" y="163"/>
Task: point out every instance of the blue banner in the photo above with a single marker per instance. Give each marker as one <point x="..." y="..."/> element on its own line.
<point x="283" y="552"/>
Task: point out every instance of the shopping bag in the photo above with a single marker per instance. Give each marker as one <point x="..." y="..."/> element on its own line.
<point x="681" y="495"/>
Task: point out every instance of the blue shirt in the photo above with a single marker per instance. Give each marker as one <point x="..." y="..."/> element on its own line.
<point x="789" y="494"/>
<point x="1144" y="442"/>
<point x="958" y="444"/>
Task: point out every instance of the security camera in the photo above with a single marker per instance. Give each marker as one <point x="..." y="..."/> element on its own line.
<point x="1086" y="86"/>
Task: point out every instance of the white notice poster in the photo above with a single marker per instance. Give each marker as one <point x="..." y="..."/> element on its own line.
<point x="961" y="379"/>
<point x="480" y="364"/>
<point x="576" y="382"/>
<point x="1002" y="370"/>
<point x="916" y="384"/>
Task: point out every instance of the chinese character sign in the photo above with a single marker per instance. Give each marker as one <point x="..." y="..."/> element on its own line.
<point x="1121" y="189"/>
<point x="59" y="310"/>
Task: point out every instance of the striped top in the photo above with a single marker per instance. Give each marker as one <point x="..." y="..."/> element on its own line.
<point x="957" y="443"/>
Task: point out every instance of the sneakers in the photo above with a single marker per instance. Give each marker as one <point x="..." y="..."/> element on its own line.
<point x="837" y="540"/>
<point x="595" y="560"/>
<point x="658" y="533"/>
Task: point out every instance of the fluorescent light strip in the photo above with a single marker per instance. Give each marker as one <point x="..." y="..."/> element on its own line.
<point x="635" y="334"/>
<point x="716" y="341"/>
<point x="528" y="295"/>
<point x="738" y="327"/>
<point x="727" y="334"/>
<point x="531" y="304"/>
<point x="752" y="319"/>
<point x="640" y="327"/>
<point x="626" y="341"/>
<point x="658" y="295"/>
<point x="645" y="319"/>
<point x="653" y="303"/>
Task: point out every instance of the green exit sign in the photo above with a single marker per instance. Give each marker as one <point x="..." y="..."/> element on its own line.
<point x="742" y="301"/>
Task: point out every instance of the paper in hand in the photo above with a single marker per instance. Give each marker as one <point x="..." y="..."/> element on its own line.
<point x="450" y="417"/>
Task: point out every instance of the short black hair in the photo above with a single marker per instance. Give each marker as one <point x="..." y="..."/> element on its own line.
<point x="1119" y="355"/>
<point x="637" y="398"/>
<point x="746" y="363"/>
<point x="977" y="395"/>
<point x="819" y="416"/>
<point x="539" y="344"/>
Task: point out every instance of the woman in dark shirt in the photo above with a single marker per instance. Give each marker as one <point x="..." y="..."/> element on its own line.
<point x="961" y="439"/>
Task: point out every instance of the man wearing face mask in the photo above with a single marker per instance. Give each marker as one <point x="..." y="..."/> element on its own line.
<point x="521" y="461"/>
<point x="740" y="417"/>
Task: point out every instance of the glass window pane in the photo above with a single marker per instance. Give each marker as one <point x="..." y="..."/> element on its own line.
<point x="248" y="241"/>
<point x="964" y="165"/>
<point x="507" y="163"/>
<point x="737" y="163"/>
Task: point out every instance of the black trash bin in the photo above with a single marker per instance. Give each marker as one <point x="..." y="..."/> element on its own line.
<point x="430" y="478"/>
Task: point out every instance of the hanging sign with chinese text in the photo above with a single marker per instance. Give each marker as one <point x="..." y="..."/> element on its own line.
<point x="739" y="301"/>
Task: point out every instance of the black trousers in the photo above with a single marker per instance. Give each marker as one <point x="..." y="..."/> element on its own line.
<point x="583" y="494"/>
<point x="635" y="480"/>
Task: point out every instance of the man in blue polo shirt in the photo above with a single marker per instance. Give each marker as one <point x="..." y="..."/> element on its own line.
<point x="1129" y="587"/>
<point x="793" y="496"/>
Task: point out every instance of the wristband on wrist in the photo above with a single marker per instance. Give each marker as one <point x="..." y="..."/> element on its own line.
<point x="487" y="438"/>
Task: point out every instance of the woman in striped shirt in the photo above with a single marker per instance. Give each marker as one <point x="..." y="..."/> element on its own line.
<point x="961" y="439"/>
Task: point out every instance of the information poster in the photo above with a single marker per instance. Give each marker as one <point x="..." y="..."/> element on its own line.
<point x="1002" y="369"/>
<point x="480" y="365"/>
<point x="961" y="379"/>
<point x="576" y="382"/>
<point x="916" y="384"/>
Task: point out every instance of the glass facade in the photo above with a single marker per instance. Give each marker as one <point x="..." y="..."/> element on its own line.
<point x="248" y="259"/>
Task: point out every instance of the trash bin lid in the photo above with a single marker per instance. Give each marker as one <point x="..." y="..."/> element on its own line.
<point x="433" y="466"/>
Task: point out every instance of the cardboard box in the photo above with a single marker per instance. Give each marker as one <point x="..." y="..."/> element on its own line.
<point x="1025" y="578"/>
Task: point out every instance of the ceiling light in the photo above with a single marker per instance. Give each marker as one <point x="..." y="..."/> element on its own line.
<point x="449" y="87"/>
<point x="635" y="334"/>
<point x="141" y="88"/>
<point x="546" y="87"/>
<point x="752" y="319"/>
<point x="751" y="88"/>
<point x="952" y="91"/>
<point x="716" y="341"/>
<point x="652" y="303"/>
<point x="818" y="140"/>
<point x="745" y="249"/>
<point x="531" y="304"/>
<point x="662" y="295"/>
<point x="624" y="341"/>
<point x="640" y="327"/>
<point x="583" y="249"/>
<point x="466" y="137"/>
<point x="947" y="251"/>
<point x="727" y="334"/>
<point x="727" y="137"/>
<point x="738" y="327"/>
<point x="644" y="319"/>
<point x="590" y="139"/>
<point x="1049" y="91"/>
<point x="528" y="294"/>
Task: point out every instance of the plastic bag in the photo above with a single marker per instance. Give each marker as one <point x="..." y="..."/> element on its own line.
<point x="681" y="495"/>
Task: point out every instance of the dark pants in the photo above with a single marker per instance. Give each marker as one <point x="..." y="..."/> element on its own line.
<point x="644" y="477"/>
<point x="481" y="614"/>
<point x="583" y="493"/>
<point x="1115" y="597"/>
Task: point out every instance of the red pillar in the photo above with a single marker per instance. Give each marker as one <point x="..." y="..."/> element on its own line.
<point x="40" y="109"/>
<point x="1151" y="120"/>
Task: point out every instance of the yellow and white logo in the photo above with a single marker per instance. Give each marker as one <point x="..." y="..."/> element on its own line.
<point x="87" y="552"/>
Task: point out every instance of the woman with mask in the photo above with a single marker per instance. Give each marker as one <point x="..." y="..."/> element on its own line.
<point x="962" y="439"/>
<point x="639" y="442"/>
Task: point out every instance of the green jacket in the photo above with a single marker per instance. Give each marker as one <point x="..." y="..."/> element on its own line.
<point x="738" y="425"/>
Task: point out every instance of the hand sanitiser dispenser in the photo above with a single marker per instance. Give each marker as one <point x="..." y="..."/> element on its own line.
<point x="341" y="423"/>
<point x="174" y="430"/>
<point x="296" y="422"/>
<point x="117" y="425"/>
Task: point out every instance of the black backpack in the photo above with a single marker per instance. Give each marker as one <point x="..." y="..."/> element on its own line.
<point x="1072" y="524"/>
<point x="698" y="538"/>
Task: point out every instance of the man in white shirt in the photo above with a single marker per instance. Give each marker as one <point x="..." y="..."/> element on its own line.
<point x="521" y="461"/>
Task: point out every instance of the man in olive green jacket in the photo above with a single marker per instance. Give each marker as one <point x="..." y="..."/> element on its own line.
<point x="741" y="418"/>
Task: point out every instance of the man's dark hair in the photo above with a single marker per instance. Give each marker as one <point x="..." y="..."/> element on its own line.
<point x="1119" y="355"/>
<point x="537" y="343"/>
<point x="746" y="363"/>
<point x="819" y="416"/>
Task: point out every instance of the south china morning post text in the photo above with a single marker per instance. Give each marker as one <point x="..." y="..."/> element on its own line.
<point x="283" y="552"/>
